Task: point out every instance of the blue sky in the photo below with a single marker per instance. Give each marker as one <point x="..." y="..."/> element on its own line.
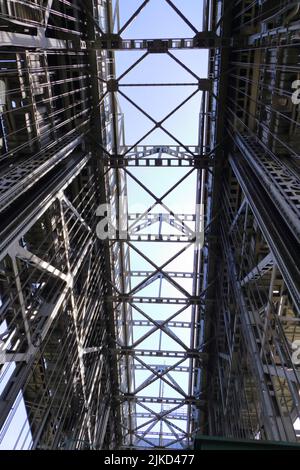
<point x="159" y="20"/>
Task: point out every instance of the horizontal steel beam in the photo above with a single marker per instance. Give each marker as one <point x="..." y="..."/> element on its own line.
<point x="155" y="237"/>
<point x="268" y="35"/>
<point x="170" y="324"/>
<point x="155" y="300"/>
<point x="203" y="84"/>
<point x="177" y="416"/>
<point x="37" y="41"/>
<point x="164" y="217"/>
<point x="163" y="400"/>
<point x="161" y="353"/>
<point x="184" y="275"/>
<point x="163" y="162"/>
<point x="159" y="367"/>
<point x="172" y="150"/>
<point x="114" y="42"/>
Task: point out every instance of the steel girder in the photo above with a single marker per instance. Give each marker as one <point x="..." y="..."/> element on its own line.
<point x="255" y="380"/>
<point x="255" y="333"/>
<point x="80" y="319"/>
<point x="43" y="314"/>
<point x="128" y="303"/>
<point x="52" y="263"/>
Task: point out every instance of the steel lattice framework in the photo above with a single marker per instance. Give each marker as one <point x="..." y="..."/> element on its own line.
<point x="180" y="321"/>
<point x="158" y="408"/>
<point x="73" y="134"/>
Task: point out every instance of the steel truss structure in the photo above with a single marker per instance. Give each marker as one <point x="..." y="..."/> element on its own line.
<point x="254" y="380"/>
<point x="166" y="323"/>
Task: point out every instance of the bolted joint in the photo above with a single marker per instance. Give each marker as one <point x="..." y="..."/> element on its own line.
<point x="206" y="40"/>
<point x="202" y="162"/>
<point x="204" y="84"/>
<point x="109" y="41"/>
<point x="117" y="161"/>
<point x="112" y="85"/>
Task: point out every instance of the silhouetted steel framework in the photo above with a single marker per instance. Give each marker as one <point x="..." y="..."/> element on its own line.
<point x="73" y="313"/>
